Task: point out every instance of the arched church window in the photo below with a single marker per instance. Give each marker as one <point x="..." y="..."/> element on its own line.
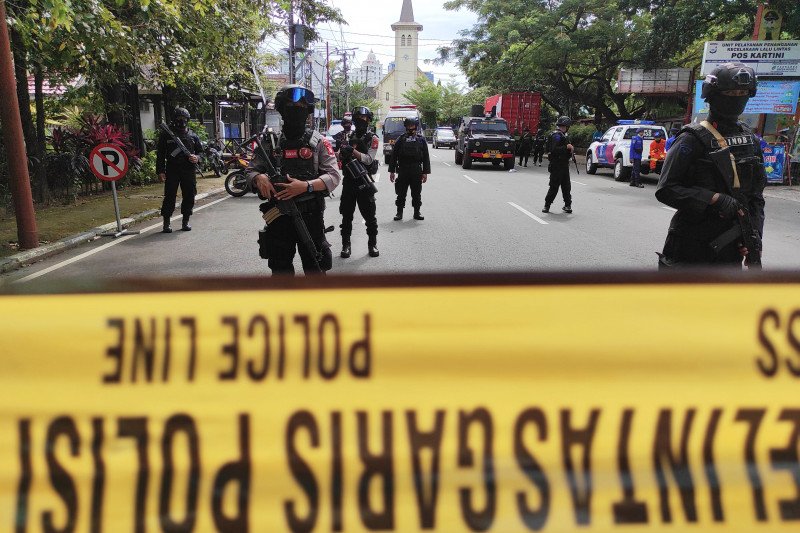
<point x="408" y="42"/>
<point x="403" y="40"/>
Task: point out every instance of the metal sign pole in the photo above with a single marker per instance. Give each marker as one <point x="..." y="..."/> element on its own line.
<point x="120" y="231"/>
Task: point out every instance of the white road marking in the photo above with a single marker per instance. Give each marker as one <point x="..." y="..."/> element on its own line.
<point x="668" y="208"/>
<point x="377" y="177"/>
<point x="525" y="211"/>
<point x="115" y="242"/>
<point x="578" y="182"/>
<point x="470" y="179"/>
<point x="448" y="164"/>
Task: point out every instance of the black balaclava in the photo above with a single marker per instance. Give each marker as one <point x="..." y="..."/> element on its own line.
<point x="727" y="108"/>
<point x="294" y="121"/>
<point x="361" y="126"/>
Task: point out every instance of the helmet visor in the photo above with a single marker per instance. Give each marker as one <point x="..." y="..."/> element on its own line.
<point x="361" y="110"/>
<point x="300" y="94"/>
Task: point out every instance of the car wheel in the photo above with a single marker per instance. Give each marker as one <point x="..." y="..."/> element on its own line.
<point x="591" y="168"/>
<point x="466" y="162"/>
<point x="496" y="163"/>
<point x="459" y="157"/>
<point x="621" y="173"/>
<point x="509" y="163"/>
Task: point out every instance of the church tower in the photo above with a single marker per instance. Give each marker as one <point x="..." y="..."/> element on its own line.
<point x="406" y="51"/>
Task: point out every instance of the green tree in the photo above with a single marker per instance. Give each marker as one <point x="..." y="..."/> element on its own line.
<point x="427" y="96"/>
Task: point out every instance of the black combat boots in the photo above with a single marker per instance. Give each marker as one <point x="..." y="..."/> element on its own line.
<point x="546" y="208"/>
<point x="399" y="215"/>
<point x="345" y="250"/>
<point x="167" y="228"/>
<point x="185" y="224"/>
<point x="418" y="215"/>
<point x="373" y="247"/>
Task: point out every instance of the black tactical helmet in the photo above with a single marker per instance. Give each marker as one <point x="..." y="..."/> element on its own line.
<point x="734" y="77"/>
<point x="361" y="111"/>
<point x="346" y="121"/>
<point x="291" y="94"/>
<point x="409" y="122"/>
<point x="181" y="112"/>
<point x="564" y="121"/>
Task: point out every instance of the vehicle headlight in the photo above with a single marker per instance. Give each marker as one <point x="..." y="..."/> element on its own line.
<point x="507" y="145"/>
<point x="477" y="143"/>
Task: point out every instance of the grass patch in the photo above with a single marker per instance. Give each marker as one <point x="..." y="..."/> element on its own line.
<point x="58" y="221"/>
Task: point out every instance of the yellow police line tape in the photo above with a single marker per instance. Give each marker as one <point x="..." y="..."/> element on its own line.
<point x="552" y="408"/>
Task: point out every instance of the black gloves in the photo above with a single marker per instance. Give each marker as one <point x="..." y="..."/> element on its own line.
<point x="346" y="151"/>
<point x="725" y="206"/>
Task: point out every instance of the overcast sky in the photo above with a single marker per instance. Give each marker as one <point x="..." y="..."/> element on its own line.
<point x="375" y="18"/>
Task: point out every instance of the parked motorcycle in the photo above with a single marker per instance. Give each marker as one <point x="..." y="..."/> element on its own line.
<point x="237" y="183"/>
<point x="212" y="158"/>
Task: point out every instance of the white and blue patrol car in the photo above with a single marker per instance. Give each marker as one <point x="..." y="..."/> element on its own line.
<point x="613" y="149"/>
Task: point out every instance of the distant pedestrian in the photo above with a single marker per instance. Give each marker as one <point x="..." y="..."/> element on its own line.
<point x="673" y="134"/>
<point x="412" y="163"/>
<point x="657" y="150"/>
<point x="637" y="147"/>
<point x="525" y="146"/>
<point x="598" y="132"/>
<point x="176" y="169"/>
<point x="559" y="152"/>
<point x="539" y="143"/>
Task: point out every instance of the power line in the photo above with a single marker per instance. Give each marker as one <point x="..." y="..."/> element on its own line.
<point x="391" y="37"/>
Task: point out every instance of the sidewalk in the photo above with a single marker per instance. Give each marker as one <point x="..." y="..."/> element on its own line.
<point x="64" y="227"/>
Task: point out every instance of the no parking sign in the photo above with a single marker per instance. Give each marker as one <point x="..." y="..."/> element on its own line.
<point x="108" y="162"/>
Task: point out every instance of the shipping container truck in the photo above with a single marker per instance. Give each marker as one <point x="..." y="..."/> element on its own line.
<point x="520" y="110"/>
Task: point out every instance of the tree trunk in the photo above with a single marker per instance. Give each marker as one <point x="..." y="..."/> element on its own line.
<point x="21" y="75"/>
<point x="40" y="170"/>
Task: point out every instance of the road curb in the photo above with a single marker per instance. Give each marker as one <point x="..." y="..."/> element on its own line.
<point x="21" y="259"/>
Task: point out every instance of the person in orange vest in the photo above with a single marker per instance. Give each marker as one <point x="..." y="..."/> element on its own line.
<point x="658" y="150"/>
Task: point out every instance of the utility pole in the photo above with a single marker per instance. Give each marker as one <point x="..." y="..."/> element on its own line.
<point x="328" y="86"/>
<point x="344" y="53"/>
<point x="15" y="145"/>
<point x="292" y="77"/>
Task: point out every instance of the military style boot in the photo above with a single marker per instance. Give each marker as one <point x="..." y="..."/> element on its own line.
<point x="417" y="214"/>
<point x="167" y="228"/>
<point x="185" y="224"/>
<point x="345" y="249"/>
<point x="372" y="243"/>
<point x="567" y="209"/>
<point x="399" y="215"/>
<point x="546" y="208"/>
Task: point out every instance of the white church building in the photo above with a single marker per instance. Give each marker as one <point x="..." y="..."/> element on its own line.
<point x="390" y="90"/>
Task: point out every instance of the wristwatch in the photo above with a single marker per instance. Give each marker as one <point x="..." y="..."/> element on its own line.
<point x="310" y="187"/>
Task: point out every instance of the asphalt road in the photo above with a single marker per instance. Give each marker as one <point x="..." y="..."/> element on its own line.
<point x="481" y="220"/>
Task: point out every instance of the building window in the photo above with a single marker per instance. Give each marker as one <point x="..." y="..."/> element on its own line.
<point x="387" y="97"/>
<point x="408" y="42"/>
<point x="144" y="106"/>
<point x="403" y="40"/>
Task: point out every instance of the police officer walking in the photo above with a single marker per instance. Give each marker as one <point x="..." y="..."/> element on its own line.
<point x="310" y="173"/>
<point x="411" y="161"/>
<point x="560" y="154"/>
<point x="539" y="143"/>
<point x="714" y="176"/>
<point x="637" y="147"/>
<point x="175" y="169"/>
<point x="361" y="146"/>
<point x="525" y="145"/>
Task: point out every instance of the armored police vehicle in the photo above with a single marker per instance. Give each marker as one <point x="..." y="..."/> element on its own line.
<point x="484" y="140"/>
<point x="393" y="126"/>
<point x="613" y="149"/>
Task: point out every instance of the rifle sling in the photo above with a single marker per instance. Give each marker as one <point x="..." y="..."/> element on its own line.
<point x="723" y="144"/>
<point x="726" y="238"/>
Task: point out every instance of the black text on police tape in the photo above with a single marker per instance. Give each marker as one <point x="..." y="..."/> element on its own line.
<point x="676" y="468"/>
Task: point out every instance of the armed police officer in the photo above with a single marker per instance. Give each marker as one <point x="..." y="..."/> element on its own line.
<point x="539" y="143"/>
<point x="560" y="155"/>
<point x="714" y="176"/>
<point x="308" y="173"/>
<point x="358" y="154"/>
<point x="412" y="163"/>
<point x="340" y="139"/>
<point x="176" y="169"/>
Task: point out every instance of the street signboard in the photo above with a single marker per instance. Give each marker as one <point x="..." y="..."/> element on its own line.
<point x="108" y="162"/>
<point x="656" y="81"/>
<point x="772" y="98"/>
<point x="767" y="58"/>
<point x="775" y="162"/>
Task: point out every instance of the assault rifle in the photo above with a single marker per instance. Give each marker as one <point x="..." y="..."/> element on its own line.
<point x="358" y="172"/>
<point x="742" y="232"/>
<point x="181" y="147"/>
<point x="578" y="170"/>
<point x="285" y="207"/>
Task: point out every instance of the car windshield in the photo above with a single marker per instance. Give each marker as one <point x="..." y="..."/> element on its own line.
<point x="445" y="133"/>
<point x="647" y="133"/>
<point x="394" y="125"/>
<point x="489" y="126"/>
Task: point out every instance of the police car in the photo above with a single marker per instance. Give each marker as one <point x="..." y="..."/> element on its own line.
<point x="613" y="149"/>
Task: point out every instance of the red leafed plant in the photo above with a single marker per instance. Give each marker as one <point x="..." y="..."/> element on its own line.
<point x="93" y="131"/>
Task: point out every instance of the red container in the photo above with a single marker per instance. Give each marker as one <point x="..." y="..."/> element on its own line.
<point x="520" y="110"/>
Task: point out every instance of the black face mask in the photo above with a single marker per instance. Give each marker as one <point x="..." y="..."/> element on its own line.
<point x="361" y="127"/>
<point x="294" y="121"/>
<point x="729" y="107"/>
<point x="411" y="131"/>
<point x="180" y="125"/>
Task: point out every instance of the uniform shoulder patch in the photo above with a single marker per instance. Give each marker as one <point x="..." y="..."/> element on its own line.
<point x="374" y="144"/>
<point x="328" y="146"/>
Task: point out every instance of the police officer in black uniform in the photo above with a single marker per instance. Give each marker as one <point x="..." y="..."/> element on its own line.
<point x="713" y="174"/>
<point x="309" y="165"/>
<point x="411" y="161"/>
<point x="560" y="154"/>
<point x="175" y="169"/>
<point x="340" y="139"/>
<point x="362" y="145"/>
<point x="539" y="143"/>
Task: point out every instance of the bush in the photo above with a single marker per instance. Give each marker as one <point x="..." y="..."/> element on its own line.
<point x="581" y="135"/>
<point x="142" y="172"/>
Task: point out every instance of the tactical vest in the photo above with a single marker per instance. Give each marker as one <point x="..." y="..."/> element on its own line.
<point x="411" y="152"/>
<point x="552" y="144"/>
<point x="299" y="160"/>
<point x="362" y="144"/>
<point x="744" y="146"/>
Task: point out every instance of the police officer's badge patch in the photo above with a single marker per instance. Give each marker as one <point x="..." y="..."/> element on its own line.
<point x="328" y="146"/>
<point x="306" y="153"/>
<point x="686" y="149"/>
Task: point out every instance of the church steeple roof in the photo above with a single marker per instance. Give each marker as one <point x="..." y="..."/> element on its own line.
<point x="407" y="17"/>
